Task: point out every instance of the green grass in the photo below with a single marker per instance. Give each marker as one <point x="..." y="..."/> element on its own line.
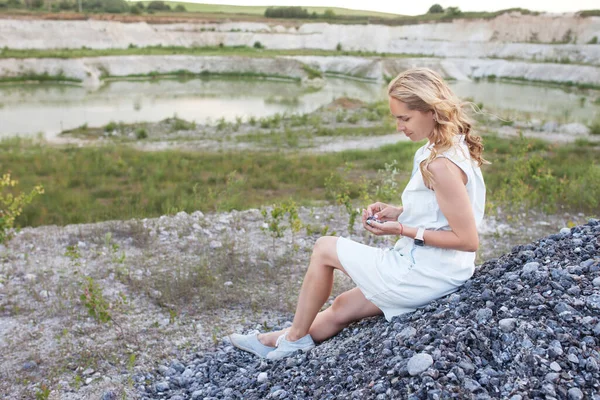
<point x="117" y="182"/>
<point x="260" y="10"/>
<point x="244" y="51"/>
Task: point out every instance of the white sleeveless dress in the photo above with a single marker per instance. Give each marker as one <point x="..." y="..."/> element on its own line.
<point x="402" y="278"/>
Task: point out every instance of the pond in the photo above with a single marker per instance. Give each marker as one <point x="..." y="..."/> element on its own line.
<point x="29" y="109"/>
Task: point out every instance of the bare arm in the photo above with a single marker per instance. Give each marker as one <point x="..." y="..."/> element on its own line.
<point x="452" y="197"/>
<point x="451" y="194"/>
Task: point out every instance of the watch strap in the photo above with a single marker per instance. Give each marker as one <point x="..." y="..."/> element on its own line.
<point x="419" y="241"/>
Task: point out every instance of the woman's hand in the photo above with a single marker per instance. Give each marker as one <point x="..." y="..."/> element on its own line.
<point x="389" y="227"/>
<point x="383" y="212"/>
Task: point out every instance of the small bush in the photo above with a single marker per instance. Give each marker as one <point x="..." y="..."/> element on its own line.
<point x="589" y="13"/>
<point x="11" y="206"/>
<point x="158" y="6"/>
<point x="595" y="127"/>
<point x="435" y="9"/>
<point x="453" y="12"/>
<point x="338" y="47"/>
<point x="258" y="45"/>
<point x="329" y="14"/>
<point x="141" y="133"/>
<point x="110" y="127"/>
<point x="286" y="12"/>
<point x="180" y="8"/>
<point x="593" y="40"/>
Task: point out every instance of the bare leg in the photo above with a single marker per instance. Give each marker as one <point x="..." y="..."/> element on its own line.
<point x="316" y="288"/>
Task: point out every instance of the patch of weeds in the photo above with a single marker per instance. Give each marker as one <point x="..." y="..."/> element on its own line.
<point x="353" y="119"/>
<point x="43" y="393"/>
<point x="595" y="127"/>
<point x="141" y="133"/>
<point x="73" y="253"/>
<point x="299" y="120"/>
<point x="11" y="204"/>
<point x="311" y="72"/>
<point x="178" y="124"/>
<point x="342" y="190"/>
<point x="273" y="219"/>
<point x="93" y="300"/>
<point x="221" y="124"/>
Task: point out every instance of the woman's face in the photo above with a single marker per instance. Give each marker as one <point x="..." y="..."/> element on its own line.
<point x="415" y="124"/>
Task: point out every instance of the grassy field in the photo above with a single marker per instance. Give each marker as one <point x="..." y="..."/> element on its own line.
<point x="116" y="182"/>
<point x="260" y="10"/>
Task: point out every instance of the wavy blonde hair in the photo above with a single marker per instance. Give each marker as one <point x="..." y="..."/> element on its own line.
<point x="424" y="90"/>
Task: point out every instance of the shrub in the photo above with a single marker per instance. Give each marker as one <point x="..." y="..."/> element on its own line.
<point x="116" y="6"/>
<point x="258" y="45"/>
<point x="453" y="12"/>
<point x="11" y="206"/>
<point x="593" y="40"/>
<point x="66" y="5"/>
<point x="158" y="6"/>
<point x="338" y="47"/>
<point x="329" y="14"/>
<point x="141" y="133"/>
<point x="595" y="127"/>
<point x="286" y="12"/>
<point x="435" y="9"/>
<point x="180" y="8"/>
<point x="589" y="13"/>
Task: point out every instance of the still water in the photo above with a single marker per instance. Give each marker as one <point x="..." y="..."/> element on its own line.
<point x="28" y="109"/>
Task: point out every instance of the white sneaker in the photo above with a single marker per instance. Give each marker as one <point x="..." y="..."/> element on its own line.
<point x="285" y="348"/>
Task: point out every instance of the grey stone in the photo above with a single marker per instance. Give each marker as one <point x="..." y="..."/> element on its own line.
<point x="262" y="377"/>
<point x="507" y="324"/>
<point x="419" y="363"/>
<point x="162" y="386"/>
<point x="575" y="394"/>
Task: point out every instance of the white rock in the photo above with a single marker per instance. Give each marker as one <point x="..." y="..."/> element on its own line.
<point x="215" y="244"/>
<point x="262" y="377"/>
<point x="550" y="126"/>
<point x="197" y="214"/>
<point x="575" y="128"/>
<point x="228" y="283"/>
<point x="419" y="363"/>
<point x="29" y="277"/>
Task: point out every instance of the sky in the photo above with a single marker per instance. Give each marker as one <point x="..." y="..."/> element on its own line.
<point x="417" y="7"/>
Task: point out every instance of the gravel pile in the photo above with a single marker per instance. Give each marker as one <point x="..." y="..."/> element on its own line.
<point x="525" y="326"/>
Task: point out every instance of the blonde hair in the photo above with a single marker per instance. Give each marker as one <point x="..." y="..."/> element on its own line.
<point x="424" y="90"/>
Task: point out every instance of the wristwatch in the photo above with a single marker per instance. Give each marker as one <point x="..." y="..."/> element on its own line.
<point x="419" y="241"/>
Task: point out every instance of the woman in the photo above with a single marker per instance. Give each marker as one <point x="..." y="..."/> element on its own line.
<point x="443" y="204"/>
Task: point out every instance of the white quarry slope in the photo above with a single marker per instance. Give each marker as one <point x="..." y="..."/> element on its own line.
<point x="91" y="70"/>
<point x="538" y="38"/>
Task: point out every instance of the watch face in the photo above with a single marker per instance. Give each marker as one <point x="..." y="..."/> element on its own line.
<point x="419" y="242"/>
